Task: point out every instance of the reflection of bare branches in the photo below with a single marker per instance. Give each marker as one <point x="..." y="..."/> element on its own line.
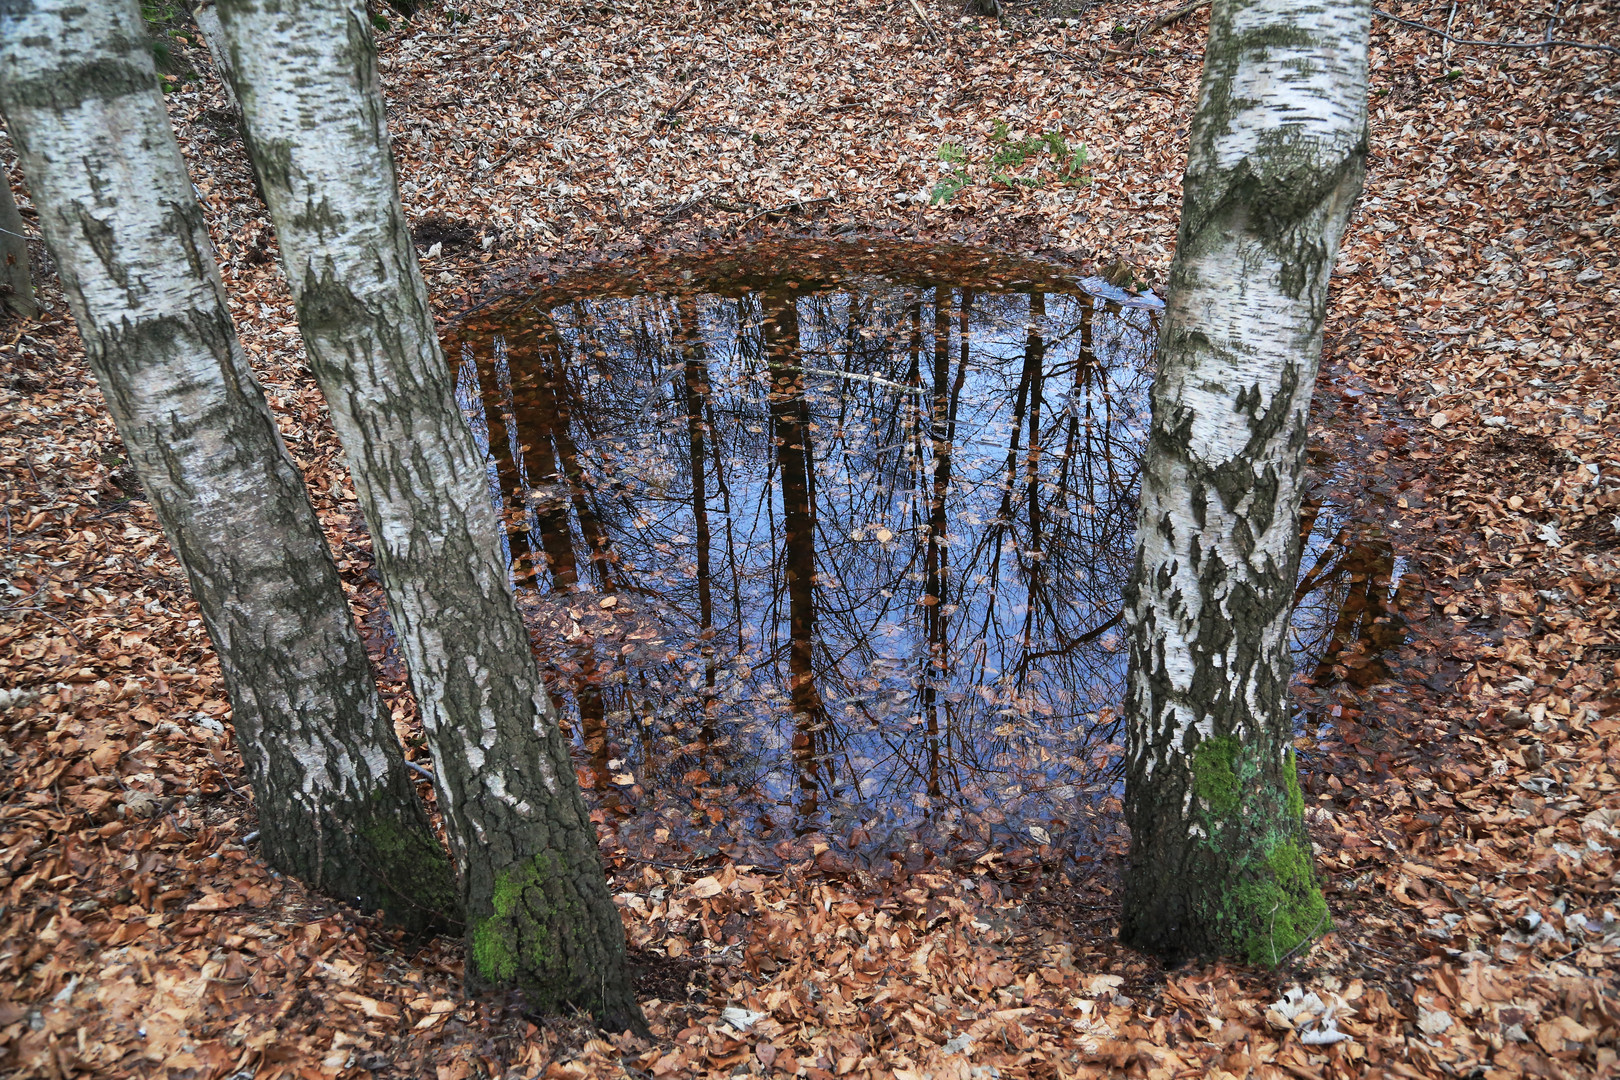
<point x="940" y="613"/>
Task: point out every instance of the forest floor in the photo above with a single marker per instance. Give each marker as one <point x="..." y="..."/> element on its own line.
<point x="1465" y="803"/>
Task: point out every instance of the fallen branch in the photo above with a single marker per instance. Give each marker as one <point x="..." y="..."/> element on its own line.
<point x="800" y="203"/>
<point x="927" y="23"/>
<point x="680" y="103"/>
<point x="1173" y="17"/>
<point x="1546" y="44"/>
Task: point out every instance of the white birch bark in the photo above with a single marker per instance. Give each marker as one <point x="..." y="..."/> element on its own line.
<point x="336" y="804"/>
<point x="539" y="914"/>
<point x="1220" y="863"/>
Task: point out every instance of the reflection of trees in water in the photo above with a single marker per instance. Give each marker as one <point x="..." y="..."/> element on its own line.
<point x="1347" y="603"/>
<point x="911" y="508"/>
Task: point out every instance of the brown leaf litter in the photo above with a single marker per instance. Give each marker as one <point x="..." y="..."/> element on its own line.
<point x="1463" y="795"/>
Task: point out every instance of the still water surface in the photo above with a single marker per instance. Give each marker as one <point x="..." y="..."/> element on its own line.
<point x="832" y="538"/>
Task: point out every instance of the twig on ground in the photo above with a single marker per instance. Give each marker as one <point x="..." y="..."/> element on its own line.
<point x="591" y="104"/>
<point x="800" y="203"/>
<point x="1548" y="44"/>
<point x="668" y="116"/>
<point x="681" y="209"/>
<point x="1306" y="940"/>
<point x="927" y="23"/>
<point x="1552" y="21"/>
<point x="1172" y="17"/>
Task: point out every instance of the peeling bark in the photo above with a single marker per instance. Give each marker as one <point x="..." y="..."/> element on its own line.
<point x="539" y="914"/>
<point x="336" y="805"/>
<point x="1220" y="863"/>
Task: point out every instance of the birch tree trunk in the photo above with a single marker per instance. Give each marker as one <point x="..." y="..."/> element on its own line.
<point x="1220" y="862"/>
<point x="16" y="284"/>
<point x="336" y="805"/>
<point x="539" y="914"/>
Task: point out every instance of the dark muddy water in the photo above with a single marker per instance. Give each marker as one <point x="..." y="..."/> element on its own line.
<point x="831" y="539"/>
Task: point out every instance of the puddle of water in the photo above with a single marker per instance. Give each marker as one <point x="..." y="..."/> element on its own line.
<point x="1351" y="592"/>
<point x="831" y="538"/>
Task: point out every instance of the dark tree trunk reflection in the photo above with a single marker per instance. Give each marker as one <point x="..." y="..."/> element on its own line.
<point x="694" y="389"/>
<point x="907" y="505"/>
<point x="790" y="424"/>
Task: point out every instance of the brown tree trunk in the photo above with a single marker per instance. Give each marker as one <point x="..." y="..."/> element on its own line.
<point x="790" y="425"/>
<point x="694" y="388"/>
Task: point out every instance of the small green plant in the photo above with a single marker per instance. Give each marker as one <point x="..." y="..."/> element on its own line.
<point x="952" y="154"/>
<point x="165" y="25"/>
<point x="159" y="13"/>
<point x="1048" y="149"/>
<point x="948" y="186"/>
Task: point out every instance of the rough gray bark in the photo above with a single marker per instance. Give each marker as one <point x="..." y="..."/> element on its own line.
<point x="335" y="801"/>
<point x="539" y="914"/>
<point x="16" y="284"/>
<point x="1220" y="863"/>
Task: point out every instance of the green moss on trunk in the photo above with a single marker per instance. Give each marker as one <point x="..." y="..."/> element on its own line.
<point x="1269" y="901"/>
<point x="417" y="883"/>
<point x="536" y="927"/>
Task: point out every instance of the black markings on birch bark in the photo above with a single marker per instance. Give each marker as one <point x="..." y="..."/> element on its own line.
<point x="539" y="914"/>
<point x="1220" y="863"/>
<point x="336" y="804"/>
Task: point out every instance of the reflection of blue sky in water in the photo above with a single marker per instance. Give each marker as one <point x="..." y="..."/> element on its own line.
<point x="976" y="688"/>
